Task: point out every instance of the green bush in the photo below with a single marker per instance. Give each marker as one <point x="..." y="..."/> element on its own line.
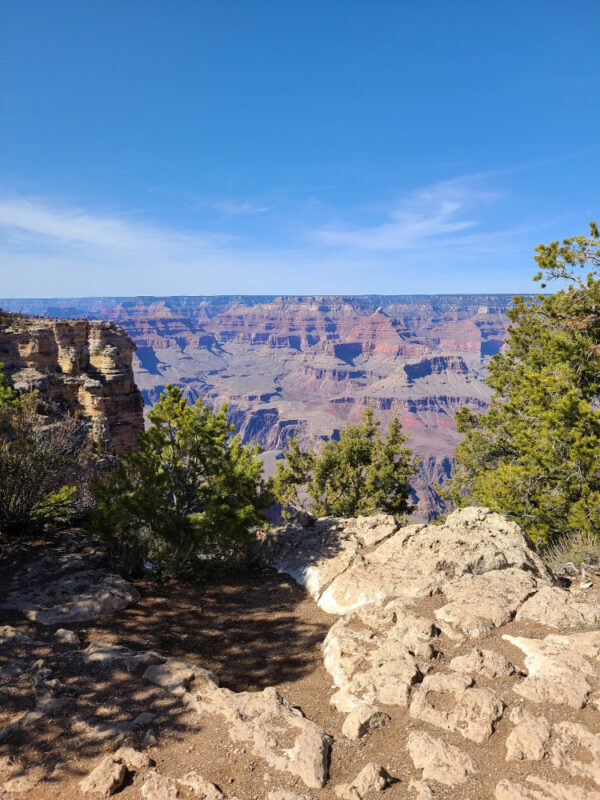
<point x="535" y="454"/>
<point x="190" y="497"/>
<point x="39" y="464"/>
<point x="362" y="473"/>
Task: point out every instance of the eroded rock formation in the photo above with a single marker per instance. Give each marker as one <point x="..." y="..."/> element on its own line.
<point x="308" y="365"/>
<point x="412" y="601"/>
<point x="84" y="368"/>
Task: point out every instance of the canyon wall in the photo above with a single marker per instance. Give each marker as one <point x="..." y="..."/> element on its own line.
<point x="308" y="365"/>
<point x="83" y="367"/>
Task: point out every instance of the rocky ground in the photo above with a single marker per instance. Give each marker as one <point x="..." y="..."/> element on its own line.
<point x="422" y="662"/>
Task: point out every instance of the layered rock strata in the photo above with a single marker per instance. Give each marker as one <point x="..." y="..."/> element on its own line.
<point x="82" y="368"/>
<point x="308" y="365"/>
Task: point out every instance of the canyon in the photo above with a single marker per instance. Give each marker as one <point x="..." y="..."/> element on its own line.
<point x="308" y="365"/>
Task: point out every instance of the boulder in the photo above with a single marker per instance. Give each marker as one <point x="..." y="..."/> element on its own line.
<point x="105" y="779"/>
<point x="74" y="597"/>
<point x="346" y="564"/>
<point x="371" y="778"/>
<point x="480" y="603"/>
<point x="363" y="719"/>
<point x="529" y="737"/>
<point x="487" y="663"/>
<point x="439" y="760"/>
<point x="378" y="653"/>
<point x="472" y="712"/>
<point x="420" y="560"/>
<point x="558" y="608"/>
<point x="559" y="667"/>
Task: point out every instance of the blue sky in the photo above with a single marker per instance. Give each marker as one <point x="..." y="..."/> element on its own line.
<point x="280" y="146"/>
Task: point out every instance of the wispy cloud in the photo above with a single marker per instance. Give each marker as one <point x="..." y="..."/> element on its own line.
<point x="428" y="214"/>
<point x="233" y="209"/>
<point x="426" y="240"/>
<point x="40" y="224"/>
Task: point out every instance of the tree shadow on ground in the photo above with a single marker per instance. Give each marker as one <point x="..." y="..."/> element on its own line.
<point x="252" y="629"/>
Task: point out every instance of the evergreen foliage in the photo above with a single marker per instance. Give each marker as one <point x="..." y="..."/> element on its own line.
<point x="39" y="464"/>
<point x="190" y="495"/>
<point x="535" y="454"/>
<point x="362" y="473"/>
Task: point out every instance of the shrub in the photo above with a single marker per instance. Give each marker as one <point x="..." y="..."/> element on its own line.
<point x="191" y="496"/>
<point x="535" y="454"/>
<point x="362" y="473"/>
<point x="39" y="464"/>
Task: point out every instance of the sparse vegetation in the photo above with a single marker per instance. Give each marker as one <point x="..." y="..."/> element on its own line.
<point x="575" y="548"/>
<point x="535" y="454"/>
<point x="362" y="473"/>
<point x="39" y="464"/>
<point x="191" y="495"/>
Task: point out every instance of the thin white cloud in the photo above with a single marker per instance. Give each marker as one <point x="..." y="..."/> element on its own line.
<point x="232" y="209"/>
<point x="41" y="224"/>
<point x="428" y="214"/>
<point x="51" y="249"/>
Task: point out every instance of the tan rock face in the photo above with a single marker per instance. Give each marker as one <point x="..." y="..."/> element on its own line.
<point x="479" y="603"/>
<point x="559" y="667"/>
<point x="263" y="719"/>
<point x="529" y="737"/>
<point x="363" y="719"/>
<point x="472" y="712"/>
<point x="483" y="662"/>
<point x="558" y="609"/>
<point x="345" y="564"/>
<point x="440" y="761"/>
<point x="85" y="367"/>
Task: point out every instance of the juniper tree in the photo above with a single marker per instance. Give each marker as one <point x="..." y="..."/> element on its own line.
<point x="361" y="473"/>
<point x="535" y="454"/>
<point x="192" y="494"/>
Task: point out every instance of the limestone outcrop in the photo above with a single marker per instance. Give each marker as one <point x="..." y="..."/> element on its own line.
<point x="83" y="368"/>
<point x="476" y="675"/>
<point x="345" y="564"/>
<point x="414" y="605"/>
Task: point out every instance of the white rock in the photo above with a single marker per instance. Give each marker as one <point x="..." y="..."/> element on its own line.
<point x="439" y="760"/>
<point x="559" y="667"/>
<point x="559" y="609"/>
<point x="472" y="712"/>
<point x="363" y="719"/>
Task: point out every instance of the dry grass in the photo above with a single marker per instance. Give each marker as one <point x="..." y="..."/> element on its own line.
<point x="575" y="548"/>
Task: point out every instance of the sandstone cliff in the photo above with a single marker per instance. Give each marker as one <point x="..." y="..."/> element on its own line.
<point x="83" y="367"/>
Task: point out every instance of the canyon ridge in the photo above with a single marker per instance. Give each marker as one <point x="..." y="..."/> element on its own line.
<point x="308" y="365"/>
